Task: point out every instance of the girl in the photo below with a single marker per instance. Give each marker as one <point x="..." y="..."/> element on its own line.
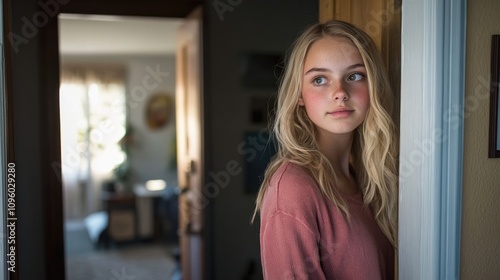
<point x="328" y="200"/>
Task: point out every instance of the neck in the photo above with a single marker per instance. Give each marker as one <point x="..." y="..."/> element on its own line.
<point x="337" y="149"/>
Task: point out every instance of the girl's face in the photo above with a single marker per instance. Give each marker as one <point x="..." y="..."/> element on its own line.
<point x="334" y="86"/>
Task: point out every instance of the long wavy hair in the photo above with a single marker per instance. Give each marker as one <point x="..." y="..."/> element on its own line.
<point x="374" y="150"/>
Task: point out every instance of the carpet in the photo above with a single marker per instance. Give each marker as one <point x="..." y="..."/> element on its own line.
<point x="135" y="261"/>
<point x="131" y="263"/>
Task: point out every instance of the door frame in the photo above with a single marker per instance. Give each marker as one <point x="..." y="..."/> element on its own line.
<point x="190" y="149"/>
<point x="431" y="145"/>
<point x="53" y="195"/>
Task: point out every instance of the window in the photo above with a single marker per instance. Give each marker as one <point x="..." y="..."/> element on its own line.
<point x="93" y="121"/>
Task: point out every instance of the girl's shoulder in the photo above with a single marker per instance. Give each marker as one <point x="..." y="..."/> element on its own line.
<point x="291" y="177"/>
<point x="290" y="173"/>
<point x="291" y="189"/>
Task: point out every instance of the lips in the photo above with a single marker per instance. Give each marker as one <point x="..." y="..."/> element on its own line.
<point x="341" y="112"/>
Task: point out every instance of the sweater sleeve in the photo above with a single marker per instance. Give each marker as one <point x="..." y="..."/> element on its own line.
<point x="289" y="249"/>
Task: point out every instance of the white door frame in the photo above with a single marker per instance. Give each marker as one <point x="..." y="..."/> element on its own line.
<point x="431" y="153"/>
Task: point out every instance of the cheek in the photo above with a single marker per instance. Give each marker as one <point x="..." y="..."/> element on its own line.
<point x="313" y="102"/>
<point x="362" y="104"/>
<point x="305" y="97"/>
<point x="310" y="103"/>
<point x="366" y="101"/>
<point x="363" y="98"/>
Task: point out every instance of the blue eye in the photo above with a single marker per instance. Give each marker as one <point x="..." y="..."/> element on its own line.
<point x="355" y="77"/>
<point x="318" y="81"/>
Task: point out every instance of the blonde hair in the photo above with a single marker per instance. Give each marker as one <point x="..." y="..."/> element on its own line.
<point x="374" y="150"/>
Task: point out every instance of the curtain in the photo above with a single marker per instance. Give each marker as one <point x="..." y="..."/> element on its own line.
<point x="93" y="120"/>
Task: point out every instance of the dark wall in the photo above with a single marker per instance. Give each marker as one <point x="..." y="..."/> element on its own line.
<point x="261" y="28"/>
<point x="27" y="137"/>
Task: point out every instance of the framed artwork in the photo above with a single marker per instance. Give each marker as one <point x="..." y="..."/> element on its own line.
<point x="158" y="111"/>
<point x="494" y="137"/>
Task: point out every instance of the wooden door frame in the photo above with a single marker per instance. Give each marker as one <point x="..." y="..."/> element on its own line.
<point x="50" y="125"/>
<point x="191" y="153"/>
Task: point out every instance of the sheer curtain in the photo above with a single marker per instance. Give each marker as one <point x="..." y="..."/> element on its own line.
<point x="93" y="121"/>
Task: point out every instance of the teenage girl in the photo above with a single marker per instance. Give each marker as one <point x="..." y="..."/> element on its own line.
<point x="328" y="200"/>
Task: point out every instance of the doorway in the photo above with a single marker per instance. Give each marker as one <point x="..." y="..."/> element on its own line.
<point x="53" y="197"/>
<point x="117" y="96"/>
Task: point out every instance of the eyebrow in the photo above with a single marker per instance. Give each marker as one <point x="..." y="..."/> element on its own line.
<point x="316" y="69"/>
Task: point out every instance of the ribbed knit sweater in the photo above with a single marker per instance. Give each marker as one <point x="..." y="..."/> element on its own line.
<point x="303" y="235"/>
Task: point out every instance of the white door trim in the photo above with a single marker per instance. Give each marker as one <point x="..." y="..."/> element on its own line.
<point x="432" y="98"/>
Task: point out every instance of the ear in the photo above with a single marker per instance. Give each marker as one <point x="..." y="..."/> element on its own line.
<point x="301" y="101"/>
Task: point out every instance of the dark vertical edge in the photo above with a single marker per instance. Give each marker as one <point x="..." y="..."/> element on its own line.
<point x="493" y="151"/>
<point x="7" y="28"/>
<point x="51" y="155"/>
<point x="209" y="210"/>
<point x="9" y="122"/>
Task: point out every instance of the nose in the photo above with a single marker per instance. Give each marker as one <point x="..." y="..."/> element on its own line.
<point x="340" y="93"/>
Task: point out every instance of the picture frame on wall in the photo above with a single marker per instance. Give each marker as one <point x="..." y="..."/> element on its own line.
<point x="494" y="130"/>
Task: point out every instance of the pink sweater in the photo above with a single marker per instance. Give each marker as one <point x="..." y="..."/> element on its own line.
<point x="304" y="236"/>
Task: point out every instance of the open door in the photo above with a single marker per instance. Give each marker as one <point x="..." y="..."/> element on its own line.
<point x="189" y="100"/>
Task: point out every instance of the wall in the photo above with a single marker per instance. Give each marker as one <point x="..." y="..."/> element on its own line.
<point x="152" y="157"/>
<point x="28" y="150"/>
<point x="480" y="246"/>
<point x="250" y="26"/>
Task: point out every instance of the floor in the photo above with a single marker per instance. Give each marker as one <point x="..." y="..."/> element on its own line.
<point x="140" y="260"/>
